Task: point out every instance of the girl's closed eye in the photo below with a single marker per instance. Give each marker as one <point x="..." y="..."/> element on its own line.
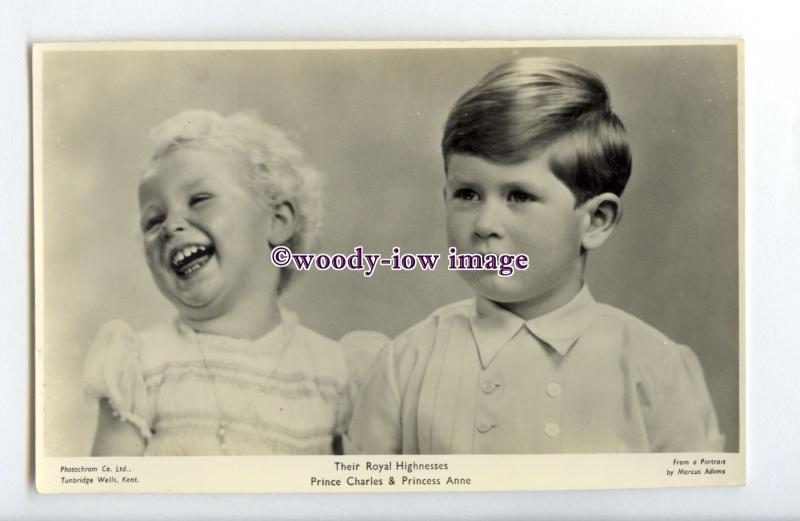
<point x="196" y="199"/>
<point x="151" y="222"/>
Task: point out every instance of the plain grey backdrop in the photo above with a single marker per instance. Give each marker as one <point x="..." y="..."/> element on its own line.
<point x="773" y="186"/>
<point x="371" y="120"/>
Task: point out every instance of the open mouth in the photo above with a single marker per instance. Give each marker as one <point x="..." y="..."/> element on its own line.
<point x="186" y="260"/>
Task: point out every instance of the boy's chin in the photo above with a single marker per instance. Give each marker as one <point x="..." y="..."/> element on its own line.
<point x="503" y="290"/>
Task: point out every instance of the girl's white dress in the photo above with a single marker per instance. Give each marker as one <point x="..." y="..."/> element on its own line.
<point x="189" y="393"/>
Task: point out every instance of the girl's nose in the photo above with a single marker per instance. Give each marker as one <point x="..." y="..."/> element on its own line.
<point x="172" y="227"/>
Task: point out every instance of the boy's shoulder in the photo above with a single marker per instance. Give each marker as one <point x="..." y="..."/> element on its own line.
<point x="423" y="334"/>
<point x="610" y="325"/>
<point x="459" y="309"/>
<point x="634" y="337"/>
<point x="464" y="307"/>
<point x="617" y="317"/>
<point x="607" y="314"/>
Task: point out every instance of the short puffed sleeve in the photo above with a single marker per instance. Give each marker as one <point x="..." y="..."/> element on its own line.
<point x="682" y="418"/>
<point x="112" y="370"/>
<point x="360" y="348"/>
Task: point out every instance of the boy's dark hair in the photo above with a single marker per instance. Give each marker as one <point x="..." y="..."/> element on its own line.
<point x="523" y="107"/>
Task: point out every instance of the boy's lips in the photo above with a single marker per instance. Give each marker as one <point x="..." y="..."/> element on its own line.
<point x="187" y="259"/>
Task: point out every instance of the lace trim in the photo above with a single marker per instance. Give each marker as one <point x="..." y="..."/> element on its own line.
<point x="269" y="388"/>
<point x="153" y="377"/>
<point x="257" y="347"/>
<point x="240" y="445"/>
<point x="258" y="430"/>
<point x="133" y="419"/>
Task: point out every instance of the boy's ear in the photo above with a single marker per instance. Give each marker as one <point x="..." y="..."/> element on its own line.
<point x="284" y="221"/>
<point x="602" y="213"/>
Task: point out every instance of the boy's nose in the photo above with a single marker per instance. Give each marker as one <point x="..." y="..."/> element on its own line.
<point x="487" y="223"/>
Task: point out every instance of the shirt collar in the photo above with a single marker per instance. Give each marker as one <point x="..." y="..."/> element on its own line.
<point x="494" y="326"/>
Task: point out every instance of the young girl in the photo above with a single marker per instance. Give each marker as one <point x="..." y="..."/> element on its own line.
<point x="234" y="373"/>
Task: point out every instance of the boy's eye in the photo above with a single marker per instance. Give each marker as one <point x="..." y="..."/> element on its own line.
<point x="518" y="196"/>
<point x="465" y="194"/>
<point x="199" y="198"/>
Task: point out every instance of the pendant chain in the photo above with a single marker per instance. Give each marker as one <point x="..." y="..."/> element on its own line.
<point x="226" y="419"/>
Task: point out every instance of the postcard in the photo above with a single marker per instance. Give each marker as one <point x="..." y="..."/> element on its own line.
<point x="388" y="266"/>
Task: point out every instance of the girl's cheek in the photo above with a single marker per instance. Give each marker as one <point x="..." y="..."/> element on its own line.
<point x="151" y="248"/>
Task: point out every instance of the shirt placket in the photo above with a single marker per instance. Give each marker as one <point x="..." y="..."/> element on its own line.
<point x="492" y="427"/>
<point x="540" y="386"/>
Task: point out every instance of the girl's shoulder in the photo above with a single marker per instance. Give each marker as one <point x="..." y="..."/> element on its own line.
<point x="114" y="349"/>
<point x="323" y="357"/>
<point x="344" y="360"/>
<point x="113" y="370"/>
<point x="360" y="350"/>
<point x="116" y="345"/>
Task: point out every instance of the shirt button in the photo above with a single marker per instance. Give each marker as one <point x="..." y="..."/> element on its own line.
<point x="554" y="389"/>
<point x="552" y="429"/>
<point x="488" y="387"/>
<point x="484" y="427"/>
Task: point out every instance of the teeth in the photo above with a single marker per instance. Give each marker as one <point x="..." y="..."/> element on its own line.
<point x="185" y="252"/>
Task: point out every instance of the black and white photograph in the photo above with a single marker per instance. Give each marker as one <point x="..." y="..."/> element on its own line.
<point x="410" y="266"/>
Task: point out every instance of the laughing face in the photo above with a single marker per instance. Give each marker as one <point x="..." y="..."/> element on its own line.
<point x="205" y="236"/>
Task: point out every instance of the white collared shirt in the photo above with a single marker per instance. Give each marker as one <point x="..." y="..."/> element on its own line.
<point x="585" y="378"/>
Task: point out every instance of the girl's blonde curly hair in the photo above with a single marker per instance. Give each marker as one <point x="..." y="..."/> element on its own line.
<point x="278" y="170"/>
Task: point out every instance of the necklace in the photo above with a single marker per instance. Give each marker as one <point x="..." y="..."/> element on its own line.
<point x="225" y="419"/>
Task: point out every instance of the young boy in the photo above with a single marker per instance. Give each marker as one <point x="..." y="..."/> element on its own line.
<point x="535" y="163"/>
